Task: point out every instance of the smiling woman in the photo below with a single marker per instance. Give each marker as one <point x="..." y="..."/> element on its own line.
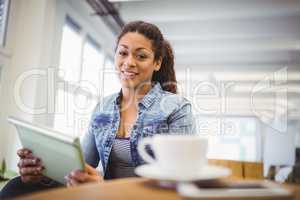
<point x="129" y="56"/>
<point x="145" y="64"/>
<point x="153" y="54"/>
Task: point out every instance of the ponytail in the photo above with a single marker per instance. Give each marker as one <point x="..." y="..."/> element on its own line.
<point x="166" y="74"/>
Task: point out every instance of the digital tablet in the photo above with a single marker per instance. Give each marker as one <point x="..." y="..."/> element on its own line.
<point x="60" y="153"/>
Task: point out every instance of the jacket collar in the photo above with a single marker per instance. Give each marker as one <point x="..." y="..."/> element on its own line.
<point x="148" y="99"/>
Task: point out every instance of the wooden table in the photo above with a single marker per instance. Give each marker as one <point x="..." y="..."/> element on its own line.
<point x="121" y="189"/>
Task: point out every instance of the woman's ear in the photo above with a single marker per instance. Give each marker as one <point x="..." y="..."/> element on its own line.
<point x="157" y="65"/>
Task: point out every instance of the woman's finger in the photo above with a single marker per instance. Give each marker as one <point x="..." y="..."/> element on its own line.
<point x="74" y="182"/>
<point x="68" y="184"/>
<point x="94" y="174"/>
<point x="22" y="153"/>
<point x="79" y="176"/>
<point x="32" y="171"/>
<point x="68" y="180"/>
<point x="29" y="162"/>
<point x="91" y="170"/>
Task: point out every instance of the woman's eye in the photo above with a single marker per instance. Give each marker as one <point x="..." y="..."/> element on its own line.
<point x="141" y="56"/>
<point x="122" y="53"/>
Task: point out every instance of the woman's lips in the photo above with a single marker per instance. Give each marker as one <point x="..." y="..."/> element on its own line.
<point x="129" y="74"/>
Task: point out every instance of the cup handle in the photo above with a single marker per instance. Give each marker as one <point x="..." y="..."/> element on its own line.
<point x="142" y="150"/>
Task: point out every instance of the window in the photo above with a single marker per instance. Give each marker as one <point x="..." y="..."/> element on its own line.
<point x="70" y="54"/>
<point x="233" y="138"/>
<point x="109" y="63"/>
<point x="81" y="62"/>
<point x="4" y="5"/>
<point x="92" y="62"/>
<point x="111" y="81"/>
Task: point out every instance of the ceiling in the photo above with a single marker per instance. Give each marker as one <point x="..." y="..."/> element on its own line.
<point x="217" y="32"/>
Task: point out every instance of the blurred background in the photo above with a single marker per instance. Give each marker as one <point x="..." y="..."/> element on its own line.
<point x="237" y="61"/>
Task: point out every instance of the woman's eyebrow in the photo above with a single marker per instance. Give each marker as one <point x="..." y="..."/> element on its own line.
<point x="142" y="48"/>
<point x="137" y="49"/>
<point x="123" y="45"/>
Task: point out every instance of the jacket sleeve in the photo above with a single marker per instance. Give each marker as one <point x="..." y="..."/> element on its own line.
<point x="182" y="120"/>
<point x="89" y="147"/>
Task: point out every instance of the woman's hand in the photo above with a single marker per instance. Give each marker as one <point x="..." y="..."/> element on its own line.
<point x="30" y="167"/>
<point x="78" y="177"/>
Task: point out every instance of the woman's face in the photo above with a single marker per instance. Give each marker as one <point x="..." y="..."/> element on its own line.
<point x="134" y="60"/>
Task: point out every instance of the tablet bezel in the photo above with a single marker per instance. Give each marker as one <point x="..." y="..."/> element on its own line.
<point x="52" y="135"/>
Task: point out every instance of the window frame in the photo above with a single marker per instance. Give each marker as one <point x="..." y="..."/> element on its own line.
<point x="69" y="86"/>
<point x="85" y="37"/>
<point x="3" y="26"/>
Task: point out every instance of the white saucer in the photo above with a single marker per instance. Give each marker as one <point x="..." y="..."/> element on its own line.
<point x="208" y="172"/>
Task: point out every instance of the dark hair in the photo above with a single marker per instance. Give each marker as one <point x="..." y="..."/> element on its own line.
<point x="162" y="50"/>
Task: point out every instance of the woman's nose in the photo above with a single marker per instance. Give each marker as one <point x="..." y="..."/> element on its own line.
<point x="130" y="61"/>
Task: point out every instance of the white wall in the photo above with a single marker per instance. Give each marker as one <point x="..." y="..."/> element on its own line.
<point x="34" y="34"/>
<point x="4" y="58"/>
<point x="27" y="37"/>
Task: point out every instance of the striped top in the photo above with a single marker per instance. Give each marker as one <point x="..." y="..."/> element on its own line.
<point x="120" y="161"/>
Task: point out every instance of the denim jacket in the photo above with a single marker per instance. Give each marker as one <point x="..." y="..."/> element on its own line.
<point x="159" y="112"/>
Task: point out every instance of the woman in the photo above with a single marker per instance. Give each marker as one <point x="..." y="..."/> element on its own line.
<point x="146" y="105"/>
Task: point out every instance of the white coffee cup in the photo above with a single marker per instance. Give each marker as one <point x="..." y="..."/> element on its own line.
<point x="176" y="153"/>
